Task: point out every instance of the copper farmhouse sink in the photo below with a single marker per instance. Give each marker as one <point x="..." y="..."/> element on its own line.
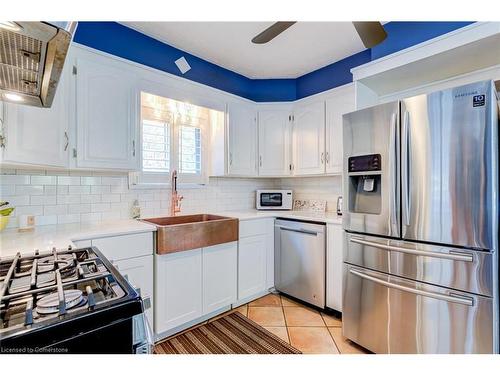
<point x="179" y="233"/>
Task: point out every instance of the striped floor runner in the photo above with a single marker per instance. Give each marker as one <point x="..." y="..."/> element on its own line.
<point x="230" y="334"/>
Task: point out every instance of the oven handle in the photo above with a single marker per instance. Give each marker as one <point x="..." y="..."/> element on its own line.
<point x="305" y="231"/>
<point x="439" y="296"/>
<point x="450" y="256"/>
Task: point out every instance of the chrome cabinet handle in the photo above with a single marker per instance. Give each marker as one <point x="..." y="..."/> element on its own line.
<point x="322" y="158"/>
<point x="260" y="160"/>
<point x="405" y="168"/>
<point x="67" y="141"/>
<point x="133" y="147"/>
<point x="327" y="157"/>
<point x="439" y="296"/>
<point x="450" y="256"/>
<point x="305" y="231"/>
<point x="230" y="158"/>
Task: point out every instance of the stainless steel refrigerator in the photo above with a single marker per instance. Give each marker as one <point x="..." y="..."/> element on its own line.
<point x="421" y="223"/>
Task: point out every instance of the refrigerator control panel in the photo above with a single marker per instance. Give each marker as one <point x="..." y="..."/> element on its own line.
<point x="365" y="163"/>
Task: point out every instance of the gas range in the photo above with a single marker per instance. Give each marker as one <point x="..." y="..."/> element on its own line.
<point x="72" y="300"/>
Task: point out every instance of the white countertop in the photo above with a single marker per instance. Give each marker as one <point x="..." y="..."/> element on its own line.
<point x="320" y="217"/>
<point x="46" y="237"/>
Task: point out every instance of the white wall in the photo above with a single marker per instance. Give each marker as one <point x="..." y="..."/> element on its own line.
<point x="72" y="197"/>
<point x="325" y="188"/>
<point x="57" y="197"/>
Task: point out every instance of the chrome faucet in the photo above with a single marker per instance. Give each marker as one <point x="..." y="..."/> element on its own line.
<point x="175" y="198"/>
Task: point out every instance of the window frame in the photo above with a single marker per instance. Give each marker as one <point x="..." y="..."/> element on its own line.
<point x="151" y="180"/>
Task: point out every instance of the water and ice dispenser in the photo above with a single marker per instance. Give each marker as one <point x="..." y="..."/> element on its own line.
<point x="364" y="175"/>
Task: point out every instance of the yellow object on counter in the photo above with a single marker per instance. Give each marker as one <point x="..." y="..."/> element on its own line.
<point x="4" y="220"/>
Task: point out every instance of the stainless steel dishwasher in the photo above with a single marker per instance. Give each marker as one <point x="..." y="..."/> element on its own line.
<point x="300" y="260"/>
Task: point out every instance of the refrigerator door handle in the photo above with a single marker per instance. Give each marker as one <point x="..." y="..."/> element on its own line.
<point x="405" y="170"/>
<point x="392" y="166"/>
<point x="453" y="298"/>
<point x="451" y="255"/>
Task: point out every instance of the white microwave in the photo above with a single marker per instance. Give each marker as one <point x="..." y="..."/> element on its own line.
<point x="274" y="200"/>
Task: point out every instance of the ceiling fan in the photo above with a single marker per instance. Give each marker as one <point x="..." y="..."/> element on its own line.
<point x="371" y="33"/>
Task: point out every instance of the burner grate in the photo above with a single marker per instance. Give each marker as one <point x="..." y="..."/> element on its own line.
<point x="43" y="286"/>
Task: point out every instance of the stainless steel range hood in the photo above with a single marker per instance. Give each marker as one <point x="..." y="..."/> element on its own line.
<point x="32" y="57"/>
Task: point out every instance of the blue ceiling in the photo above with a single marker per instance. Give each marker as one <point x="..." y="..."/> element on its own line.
<point x="119" y="40"/>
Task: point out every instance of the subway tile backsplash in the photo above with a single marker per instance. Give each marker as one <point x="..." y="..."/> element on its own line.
<point x="57" y="197"/>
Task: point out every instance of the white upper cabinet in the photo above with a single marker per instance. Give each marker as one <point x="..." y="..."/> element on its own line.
<point x="242" y="139"/>
<point x="274" y="142"/>
<point x="106" y="116"/>
<point x="39" y="136"/>
<point x="341" y="102"/>
<point x="309" y="139"/>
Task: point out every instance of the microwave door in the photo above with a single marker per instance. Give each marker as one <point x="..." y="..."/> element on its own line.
<point x="449" y="156"/>
<point x="271" y="199"/>
<point x="371" y="182"/>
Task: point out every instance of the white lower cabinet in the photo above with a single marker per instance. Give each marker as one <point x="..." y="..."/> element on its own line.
<point x="255" y="258"/>
<point x="334" y="258"/>
<point x="178" y="289"/>
<point x="191" y="284"/>
<point x="139" y="272"/>
<point x="252" y="260"/>
<point x="219" y="276"/>
<point x="132" y="256"/>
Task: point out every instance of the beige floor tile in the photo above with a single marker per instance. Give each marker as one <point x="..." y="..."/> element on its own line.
<point x="331" y="321"/>
<point x="312" y="340"/>
<point x="269" y="300"/>
<point x="302" y="317"/>
<point x="345" y="346"/>
<point x="280" y="332"/>
<point x="288" y="302"/>
<point x="242" y="309"/>
<point x="267" y="316"/>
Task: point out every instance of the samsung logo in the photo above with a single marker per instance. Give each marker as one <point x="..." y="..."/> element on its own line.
<point x="462" y="94"/>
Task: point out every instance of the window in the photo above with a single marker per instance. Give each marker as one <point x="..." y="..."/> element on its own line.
<point x="174" y="136"/>
<point x="155" y="146"/>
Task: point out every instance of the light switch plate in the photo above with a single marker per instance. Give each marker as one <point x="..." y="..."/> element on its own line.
<point x="182" y="64"/>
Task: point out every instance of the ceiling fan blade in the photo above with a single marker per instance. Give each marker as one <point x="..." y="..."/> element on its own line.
<point x="371" y="33"/>
<point x="272" y="32"/>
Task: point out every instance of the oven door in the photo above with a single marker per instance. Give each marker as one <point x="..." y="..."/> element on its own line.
<point x="389" y="314"/>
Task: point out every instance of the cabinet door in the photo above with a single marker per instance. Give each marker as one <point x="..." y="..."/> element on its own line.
<point x="39" y="136"/>
<point x="335" y="246"/>
<point x="270" y="253"/>
<point x="309" y="139"/>
<point x="219" y="276"/>
<point x="178" y="292"/>
<point x="252" y="259"/>
<point x="242" y="140"/>
<point x="139" y="271"/>
<point x="106" y="116"/>
<point x="274" y="143"/>
<point x="342" y="102"/>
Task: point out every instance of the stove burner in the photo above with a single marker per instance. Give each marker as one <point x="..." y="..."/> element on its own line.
<point x="50" y="303"/>
<point x="42" y="288"/>
<point x="44" y="279"/>
<point x="47" y="263"/>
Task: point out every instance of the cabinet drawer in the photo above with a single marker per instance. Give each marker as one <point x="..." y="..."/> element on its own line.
<point x="124" y="247"/>
<point x="254" y="227"/>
